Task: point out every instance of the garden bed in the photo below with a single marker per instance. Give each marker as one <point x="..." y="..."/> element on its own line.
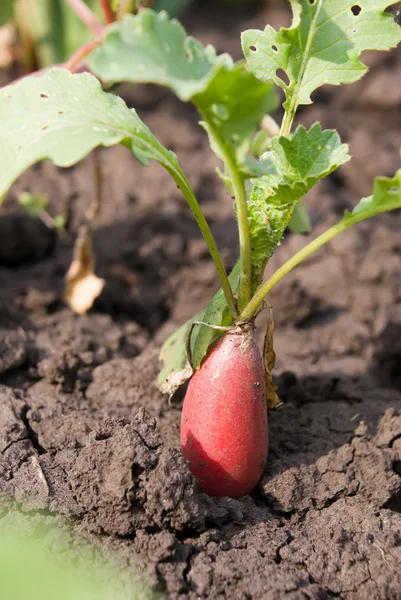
<point x="85" y="433"/>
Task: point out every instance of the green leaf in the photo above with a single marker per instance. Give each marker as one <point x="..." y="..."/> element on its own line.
<point x="151" y="48"/>
<point x="232" y="106"/>
<point x="386" y="196"/>
<point x="55" y="569"/>
<point x="300" y="221"/>
<point x="292" y="167"/>
<point x="62" y="117"/>
<point x="6" y="11"/>
<point x="215" y="314"/>
<point x="323" y="45"/>
<point x="176" y="369"/>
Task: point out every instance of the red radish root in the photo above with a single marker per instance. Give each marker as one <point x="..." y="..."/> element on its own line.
<point x="224" y="432"/>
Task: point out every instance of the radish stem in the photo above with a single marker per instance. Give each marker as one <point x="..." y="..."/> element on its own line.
<point x="86" y="15"/>
<point x="237" y="180"/>
<point x="351" y="219"/>
<point x="294" y="102"/>
<point x="75" y="59"/>
<point x="211" y="244"/>
<point x="107" y="11"/>
<point x="244" y="292"/>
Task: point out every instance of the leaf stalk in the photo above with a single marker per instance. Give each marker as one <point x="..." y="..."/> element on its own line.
<point x="85" y="14"/>
<point x="245" y="286"/>
<point x="75" y="59"/>
<point x="237" y="180"/>
<point x="211" y="244"/>
<point x="352" y="219"/>
<point x="107" y="11"/>
<point x="293" y="104"/>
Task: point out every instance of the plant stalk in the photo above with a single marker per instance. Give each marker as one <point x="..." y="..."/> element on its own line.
<point x="75" y="59"/>
<point x="250" y="311"/>
<point x="245" y="287"/>
<point x="85" y="14"/>
<point x="126" y="6"/>
<point x="210" y="242"/>
<point x="107" y="11"/>
<point x="293" y="103"/>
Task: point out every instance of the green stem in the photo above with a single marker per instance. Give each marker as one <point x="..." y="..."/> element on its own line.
<point x="250" y="311"/>
<point x="245" y="286"/>
<point x="210" y="241"/>
<point x="287" y="121"/>
<point x="75" y="60"/>
<point x="293" y="104"/>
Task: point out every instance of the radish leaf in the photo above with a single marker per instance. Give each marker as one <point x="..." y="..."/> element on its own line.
<point x="300" y="221"/>
<point x="176" y="369"/>
<point x="292" y="167"/>
<point x="151" y="48"/>
<point x="62" y="117"/>
<point x="386" y="196"/>
<point x="215" y="314"/>
<point x="322" y="46"/>
<point x="225" y="107"/>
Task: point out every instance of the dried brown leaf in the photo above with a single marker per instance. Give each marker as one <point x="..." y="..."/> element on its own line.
<point x="269" y="360"/>
<point x="82" y="285"/>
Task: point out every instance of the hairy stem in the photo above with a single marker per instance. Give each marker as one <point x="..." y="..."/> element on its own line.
<point x="107" y="11"/>
<point x="85" y="14"/>
<point x="250" y="311"/>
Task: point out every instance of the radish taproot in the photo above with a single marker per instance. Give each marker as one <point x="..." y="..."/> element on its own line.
<point x="224" y="432"/>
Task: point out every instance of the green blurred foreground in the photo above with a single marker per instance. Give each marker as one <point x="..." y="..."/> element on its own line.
<point x="28" y="571"/>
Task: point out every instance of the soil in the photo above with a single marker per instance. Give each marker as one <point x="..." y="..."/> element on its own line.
<point x="84" y="432"/>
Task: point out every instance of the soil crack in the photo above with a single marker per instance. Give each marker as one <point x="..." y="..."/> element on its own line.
<point x="32" y="435"/>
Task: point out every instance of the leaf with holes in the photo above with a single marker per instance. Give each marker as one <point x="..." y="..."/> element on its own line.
<point x="62" y="117"/>
<point x="323" y="45"/>
<point x="151" y="48"/>
<point x="292" y="167"/>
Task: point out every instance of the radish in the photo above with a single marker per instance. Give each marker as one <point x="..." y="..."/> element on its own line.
<point x="224" y="418"/>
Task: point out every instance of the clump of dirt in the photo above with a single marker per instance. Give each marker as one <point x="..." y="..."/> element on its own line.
<point x="84" y="432"/>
